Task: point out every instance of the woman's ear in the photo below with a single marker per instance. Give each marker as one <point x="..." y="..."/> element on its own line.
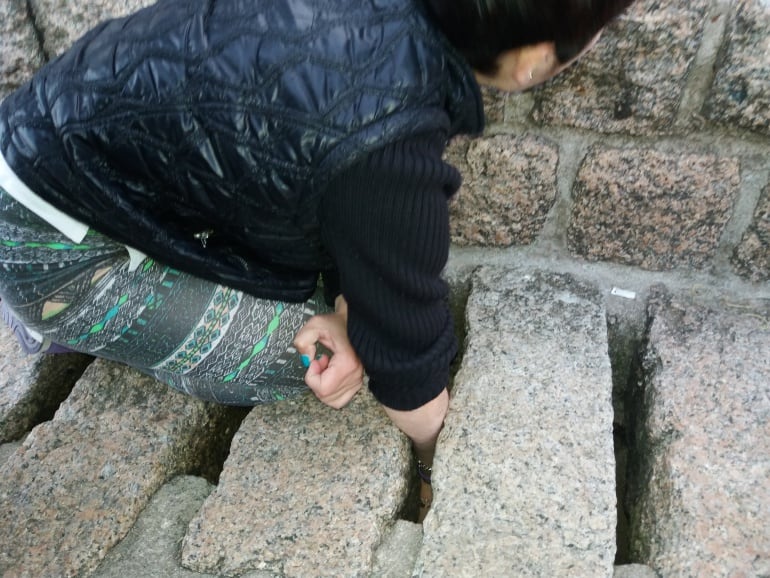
<point x="522" y="68"/>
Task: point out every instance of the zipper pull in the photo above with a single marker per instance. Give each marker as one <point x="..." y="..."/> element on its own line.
<point x="203" y="236"/>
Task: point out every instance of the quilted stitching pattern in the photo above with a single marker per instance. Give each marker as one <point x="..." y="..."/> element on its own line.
<point x="227" y="115"/>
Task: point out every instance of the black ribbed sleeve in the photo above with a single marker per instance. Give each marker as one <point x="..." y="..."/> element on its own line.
<point x="385" y="222"/>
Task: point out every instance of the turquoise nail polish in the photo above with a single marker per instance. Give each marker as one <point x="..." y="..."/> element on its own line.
<point x="305" y="360"/>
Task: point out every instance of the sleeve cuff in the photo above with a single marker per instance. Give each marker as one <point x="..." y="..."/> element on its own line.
<point x="397" y="393"/>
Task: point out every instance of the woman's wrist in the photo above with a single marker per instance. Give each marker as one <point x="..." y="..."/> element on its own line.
<point x="423" y="425"/>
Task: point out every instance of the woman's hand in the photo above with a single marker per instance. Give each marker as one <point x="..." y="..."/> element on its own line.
<point x="336" y="379"/>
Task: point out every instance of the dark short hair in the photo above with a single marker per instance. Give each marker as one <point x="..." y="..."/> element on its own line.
<point x="483" y="29"/>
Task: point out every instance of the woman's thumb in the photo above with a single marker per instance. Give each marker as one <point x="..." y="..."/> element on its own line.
<point x="305" y="343"/>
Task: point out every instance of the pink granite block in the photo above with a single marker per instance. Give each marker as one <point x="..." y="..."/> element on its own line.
<point x="32" y="386"/>
<point x="703" y="498"/>
<point x="77" y="484"/>
<point x="657" y="210"/>
<point x="633" y="81"/>
<point x="509" y="187"/>
<point x="740" y="95"/>
<point x="306" y="491"/>
<point x="752" y="256"/>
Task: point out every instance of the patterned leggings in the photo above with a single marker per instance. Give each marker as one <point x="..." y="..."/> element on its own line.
<point x="201" y="338"/>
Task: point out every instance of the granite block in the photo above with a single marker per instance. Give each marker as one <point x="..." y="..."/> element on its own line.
<point x="657" y="210"/>
<point x="306" y="491"/>
<point x="634" y="571"/>
<point x="396" y="555"/>
<point x="701" y="494"/>
<point x="151" y="548"/>
<point x="740" y="94"/>
<point x="633" y="81"/>
<point x="20" y="52"/>
<point x="494" y="105"/>
<point x="78" y="483"/>
<point x="32" y="386"/>
<point x="524" y="481"/>
<point x="7" y="450"/>
<point x="752" y="256"/>
<point x="62" y="23"/>
<point x="509" y="187"/>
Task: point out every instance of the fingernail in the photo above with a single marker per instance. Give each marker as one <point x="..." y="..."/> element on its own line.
<point x="305" y="360"/>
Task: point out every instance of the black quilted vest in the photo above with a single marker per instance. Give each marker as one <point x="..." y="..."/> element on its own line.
<point x="220" y="122"/>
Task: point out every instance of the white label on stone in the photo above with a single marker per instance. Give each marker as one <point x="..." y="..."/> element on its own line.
<point x="623" y="293"/>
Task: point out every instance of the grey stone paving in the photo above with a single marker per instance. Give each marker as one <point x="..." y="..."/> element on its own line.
<point x="524" y="477"/>
<point x="703" y="489"/>
<point x="77" y="483"/>
<point x="525" y="464"/>
<point x="306" y="491"/>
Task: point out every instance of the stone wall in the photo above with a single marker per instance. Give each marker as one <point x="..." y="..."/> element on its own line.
<point x="652" y="152"/>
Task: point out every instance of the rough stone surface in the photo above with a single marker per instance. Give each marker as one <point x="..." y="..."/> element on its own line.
<point x="20" y="53"/>
<point x="306" y="491"/>
<point x="702" y="498"/>
<point x="6" y="450"/>
<point x="524" y="475"/>
<point x="509" y="187"/>
<point x="633" y="81"/>
<point x="32" y="386"/>
<point x="634" y="571"/>
<point x="653" y="209"/>
<point x="741" y="90"/>
<point x="494" y="105"/>
<point x="151" y="548"/>
<point x="78" y="482"/>
<point x="396" y="555"/>
<point x="752" y="256"/>
<point x="62" y="23"/>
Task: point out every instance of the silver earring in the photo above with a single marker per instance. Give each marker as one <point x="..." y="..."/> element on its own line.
<point x="531" y="75"/>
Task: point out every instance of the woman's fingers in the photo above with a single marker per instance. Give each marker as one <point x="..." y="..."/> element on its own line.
<point x="337" y="378"/>
<point x="335" y="381"/>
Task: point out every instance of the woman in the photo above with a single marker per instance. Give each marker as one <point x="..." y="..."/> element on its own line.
<point x="206" y="190"/>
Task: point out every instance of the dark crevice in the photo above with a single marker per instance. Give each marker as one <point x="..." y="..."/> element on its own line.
<point x="214" y="448"/>
<point x="39" y="36"/>
<point x="627" y="343"/>
<point x="54" y="378"/>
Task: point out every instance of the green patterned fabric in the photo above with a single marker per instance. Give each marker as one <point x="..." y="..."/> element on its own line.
<point x="204" y="339"/>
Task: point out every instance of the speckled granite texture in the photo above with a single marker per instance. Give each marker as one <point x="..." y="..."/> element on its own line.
<point x="20" y="52"/>
<point x="633" y="81"/>
<point x="306" y="491"/>
<point x="752" y="257"/>
<point x="524" y="481"/>
<point x="33" y="386"/>
<point x="62" y="22"/>
<point x="652" y="209"/>
<point x="653" y="153"/>
<point x="703" y="499"/>
<point x="509" y="187"/>
<point x="740" y="94"/>
<point x="77" y="484"/>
